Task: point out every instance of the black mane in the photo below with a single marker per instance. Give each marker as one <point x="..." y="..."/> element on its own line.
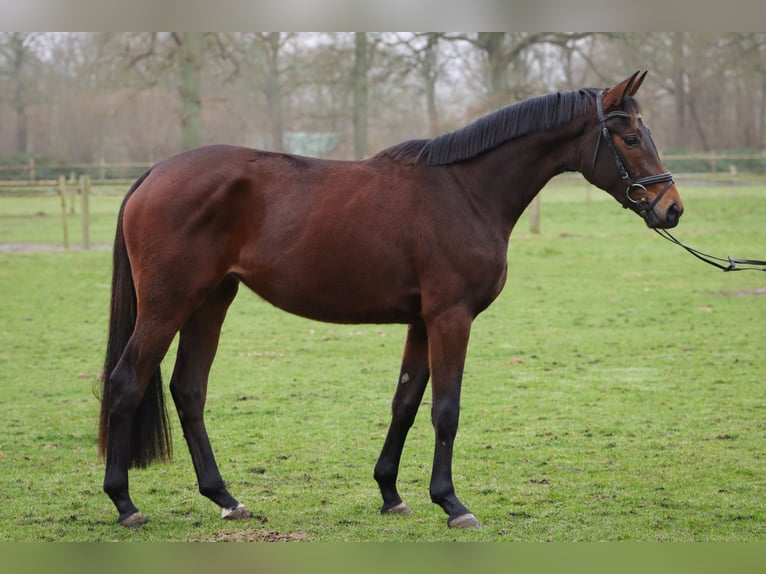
<point x="535" y="114"/>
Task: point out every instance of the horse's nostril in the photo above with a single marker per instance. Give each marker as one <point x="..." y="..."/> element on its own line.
<point x="673" y="214"/>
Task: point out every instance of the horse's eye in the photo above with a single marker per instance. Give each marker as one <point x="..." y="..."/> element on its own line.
<point x="631" y="141"/>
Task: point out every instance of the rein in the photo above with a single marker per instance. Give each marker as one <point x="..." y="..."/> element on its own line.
<point x="755" y="264"/>
<point x="646" y="207"/>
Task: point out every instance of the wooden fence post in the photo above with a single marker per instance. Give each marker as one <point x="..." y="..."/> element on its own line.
<point x="72" y="182"/>
<point x="62" y="194"/>
<point x="85" y="190"/>
<point x="32" y="170"/>
<point x="534" y="215"/>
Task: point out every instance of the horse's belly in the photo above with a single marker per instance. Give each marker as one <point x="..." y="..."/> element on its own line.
<point x="339" y="294"/>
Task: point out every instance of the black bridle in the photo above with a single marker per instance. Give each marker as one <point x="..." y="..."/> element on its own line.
<point x="643" y="202"/>
<point x="646" y="207"/>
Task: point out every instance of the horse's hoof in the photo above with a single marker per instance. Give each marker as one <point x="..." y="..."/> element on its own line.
<point x="133" y="521"/>
<point x="240" y="512"/>
<point x="464" y="521"/>
<point x="400" y="508"/>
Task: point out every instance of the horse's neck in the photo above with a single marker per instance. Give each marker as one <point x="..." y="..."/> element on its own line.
<point x="509" y="177"/>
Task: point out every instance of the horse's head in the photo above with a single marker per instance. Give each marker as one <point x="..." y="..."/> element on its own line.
<point x="625" y="162"/>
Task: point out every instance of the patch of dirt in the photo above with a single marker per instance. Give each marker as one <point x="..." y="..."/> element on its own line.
<point x="251" y="535"/>
<point x="743" y="292"/>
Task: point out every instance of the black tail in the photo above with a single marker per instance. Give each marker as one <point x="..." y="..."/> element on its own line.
<point x="151" y="431"/>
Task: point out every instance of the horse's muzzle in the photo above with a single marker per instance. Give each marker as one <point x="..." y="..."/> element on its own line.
<point x="672" y="215"/>
<point x="655" y="220"/>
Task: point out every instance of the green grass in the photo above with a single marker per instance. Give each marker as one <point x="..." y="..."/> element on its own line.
<point x="614" y="391"/>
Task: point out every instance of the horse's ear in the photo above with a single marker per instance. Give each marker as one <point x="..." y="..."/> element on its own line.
<point x="613" y="96"/>
<point x="633" y="88"/>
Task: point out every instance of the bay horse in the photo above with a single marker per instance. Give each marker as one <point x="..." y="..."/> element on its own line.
<point x="417" y="235"/>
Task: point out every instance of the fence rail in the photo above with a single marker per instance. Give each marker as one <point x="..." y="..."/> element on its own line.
<point x="36" y="173"/>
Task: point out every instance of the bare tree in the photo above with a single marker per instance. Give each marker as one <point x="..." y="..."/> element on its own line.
<point x="504" y="55"/>
<point x="360" y="95"/>
<point x="748" y="52"/>
<point x="143" y="96"/>
<point x="260" y="60"/>
<point x="422" y="55"/>
<point x="190" y="61"/>
<point x="271" y="43"/>
<point x="17" y="62"/>
<point x="175" y="60"/>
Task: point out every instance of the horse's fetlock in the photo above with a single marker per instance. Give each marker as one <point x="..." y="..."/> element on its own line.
<point x="114" y="486"/>
<point x="212" y="489"/>
<point x="440" y="493"/>
<point x="384" y="473"/>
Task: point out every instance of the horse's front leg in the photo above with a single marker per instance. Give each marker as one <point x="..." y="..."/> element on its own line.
<point x="413" y="378"/>
<point x="448" y="335"/>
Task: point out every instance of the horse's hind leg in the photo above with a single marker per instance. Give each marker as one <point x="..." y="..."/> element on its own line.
<point x="137" y="368"/>
<point x="413" y="378"/>
<point x="196" y="349"/>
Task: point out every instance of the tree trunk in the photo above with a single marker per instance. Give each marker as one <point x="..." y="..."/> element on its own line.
<point x="22" y="130"/>
<point x="492" y="45"/>
<point x="679" y="87"/>
<point x="698" y="125"/>
<point x="762" y="115"/>
<point x="191" y="102"/>
<point x="18" y="63"/>
<point x="274" y="91"/>
<point x="429" y="74"/>
<point x="360" y="95"/>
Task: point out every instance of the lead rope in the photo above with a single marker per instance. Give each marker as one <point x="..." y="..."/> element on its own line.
<point x="755" y="264"/>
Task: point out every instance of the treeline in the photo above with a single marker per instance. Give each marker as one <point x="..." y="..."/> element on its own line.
<point x="143" y="96"/>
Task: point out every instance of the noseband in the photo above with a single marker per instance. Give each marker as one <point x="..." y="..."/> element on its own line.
<point x="643" y="203"/>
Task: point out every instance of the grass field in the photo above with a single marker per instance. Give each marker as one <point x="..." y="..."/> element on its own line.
<point x="614" y="391"/>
